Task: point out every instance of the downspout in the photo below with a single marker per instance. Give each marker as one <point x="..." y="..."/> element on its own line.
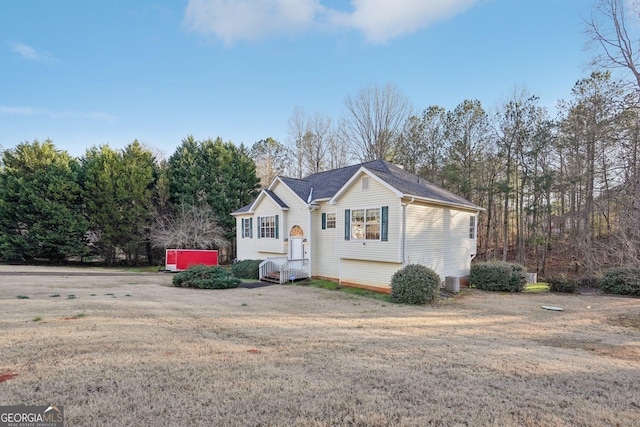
<point x="309" y="239"/>
<point x="404" y="230"/>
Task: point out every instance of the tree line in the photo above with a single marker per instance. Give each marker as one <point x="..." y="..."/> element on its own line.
<point x="120" y="205"/>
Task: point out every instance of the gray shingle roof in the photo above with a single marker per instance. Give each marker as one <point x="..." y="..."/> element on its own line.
<point x="325" y="185"/>
<point x="276" y="199"/>
<point x="243" y="209"/>
<point x="412" y="185"/>
<point x="301" y="187"/>
<point x="274" y="196"/>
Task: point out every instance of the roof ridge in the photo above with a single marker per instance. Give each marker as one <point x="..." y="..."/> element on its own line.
<point x="290" y="177"/>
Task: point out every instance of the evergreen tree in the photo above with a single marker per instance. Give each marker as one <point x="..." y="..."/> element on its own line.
<point x="40" y="204"/>
<point x="118" y="195"/>
<point x="213" y="173"/>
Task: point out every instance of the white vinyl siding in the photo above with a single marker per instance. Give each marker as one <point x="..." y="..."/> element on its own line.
<point x="267" y="247"/>
<point x="367" y="273"/>
<point x="375" y="197"/>
<point x="246" y="248"/>
<point x="298" y="213"/>
<point x="325" y="262"/>
<point x="438" y="237"/>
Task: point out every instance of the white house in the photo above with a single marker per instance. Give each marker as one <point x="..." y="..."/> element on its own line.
<point x="357" y="226"/>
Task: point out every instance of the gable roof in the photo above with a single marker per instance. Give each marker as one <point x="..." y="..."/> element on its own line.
<point x="412" y="185"/>
<point x="273" y="196"/>
<point x="329" y="184"/>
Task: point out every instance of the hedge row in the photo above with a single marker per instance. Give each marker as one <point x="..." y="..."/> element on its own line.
<point x="204" y="277"/>
<point x="498" y="276"/>
<point x="621" y="281"/>
<point x="618" y="281"/>
<point x="247" y="269"/>
<point x="562" y="284"/>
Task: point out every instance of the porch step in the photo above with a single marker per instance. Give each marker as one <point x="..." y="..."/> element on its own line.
<point x="273" y="277"/>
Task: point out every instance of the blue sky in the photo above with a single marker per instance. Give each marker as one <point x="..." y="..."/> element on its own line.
<point x="88" y="72"/>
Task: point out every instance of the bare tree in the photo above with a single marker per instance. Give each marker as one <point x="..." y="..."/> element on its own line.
<point x="316" y="142"/>
<point x="339" y="155"/>
<point x="373" y="120"/>
<point x="608" y="28"/>
<point x="618" y="38"/>
<point x="189" y="228"/>
<point x="271" y="159"/>
<point x="298" y="128"/>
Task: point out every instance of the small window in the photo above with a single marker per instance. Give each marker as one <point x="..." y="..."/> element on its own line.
<point x="247" y="227"/>
<point x="331" y="220"/>
<point x="365" y="183"/>
<point x="472" y="227"/>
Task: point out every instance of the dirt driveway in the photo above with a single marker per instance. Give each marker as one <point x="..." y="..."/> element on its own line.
<point x="129" y="349"/>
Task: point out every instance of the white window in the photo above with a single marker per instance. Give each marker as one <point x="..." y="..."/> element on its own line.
<point x="268" y="227"/>
<point x="365" y="224"/>
<point x="472" y="227"/>
<point x="247" y="227"/>
<point x="331" y="220"/>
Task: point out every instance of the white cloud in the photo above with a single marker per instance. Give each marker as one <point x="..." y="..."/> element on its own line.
<point x="383" y="20"/>
<point x="232" y="20"/>
<point x="60" y="115"/>
<point x="379" y="20"/>
<point x="16" y="111"/>
<point x="31" y="54"/>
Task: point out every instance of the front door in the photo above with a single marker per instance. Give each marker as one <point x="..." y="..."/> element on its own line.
<point x="296" y="247"/>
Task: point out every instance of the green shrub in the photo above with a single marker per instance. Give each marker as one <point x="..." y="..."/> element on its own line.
<point x="562" y="284"/>
<point x="498" y="276"/>
<point x="621" y="281"/>
<point x="415" y="284"/>
<point x="589" y="281"/>
<point x="203" y="277"/>
<point x="247" y="269"/>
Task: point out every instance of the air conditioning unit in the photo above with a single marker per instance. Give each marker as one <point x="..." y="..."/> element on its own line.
<point x="452" y="284"/>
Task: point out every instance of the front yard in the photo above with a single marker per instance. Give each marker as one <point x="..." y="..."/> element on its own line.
<point x="132" y="350"/>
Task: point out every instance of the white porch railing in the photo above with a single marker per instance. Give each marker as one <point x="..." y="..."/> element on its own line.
<point x="284" y="269"/>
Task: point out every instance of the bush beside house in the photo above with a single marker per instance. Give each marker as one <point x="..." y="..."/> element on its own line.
<point x="498" y="276"/>
<point x="415" y="284"/>
<point x="203" y="277"/>
<point x="247" y="269"/>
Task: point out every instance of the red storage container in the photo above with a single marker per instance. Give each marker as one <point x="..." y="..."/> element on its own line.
<point x="181" y="259"/>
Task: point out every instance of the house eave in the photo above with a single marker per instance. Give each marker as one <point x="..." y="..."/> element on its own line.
<point x="442" y="203"/>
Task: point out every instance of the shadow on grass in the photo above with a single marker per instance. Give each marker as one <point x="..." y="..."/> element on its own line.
<point x="333" y="286"/>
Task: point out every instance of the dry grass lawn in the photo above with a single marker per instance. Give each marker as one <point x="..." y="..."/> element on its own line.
<point x="132" y="350"/>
